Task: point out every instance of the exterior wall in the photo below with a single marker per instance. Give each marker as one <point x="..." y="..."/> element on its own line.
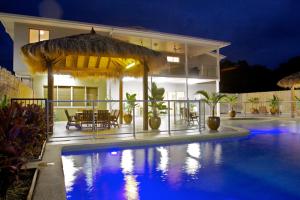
<point x="21" y="37"/>
<point x="25" y="91"/>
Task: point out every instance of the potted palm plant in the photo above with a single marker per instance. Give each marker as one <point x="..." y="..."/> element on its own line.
<point x="157" y="106"/>
<point x="274" y="104"/>
<point x="232" y="101"/>
<point x="212" y="100"/>
<point x="254" y="101"/>
<point x="130" y="105"/>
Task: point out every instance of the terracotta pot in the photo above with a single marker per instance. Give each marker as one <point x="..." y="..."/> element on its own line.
<point x="274" y="111"/>
<point x="232" y="114"/>
<point x="254" y="110"/>
<point x="213" y="123"/>
<point x="154" y="122"/>
<point x="128" y="118"/>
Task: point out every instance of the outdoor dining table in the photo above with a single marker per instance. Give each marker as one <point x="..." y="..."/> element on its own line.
<point x="79" y="114"/>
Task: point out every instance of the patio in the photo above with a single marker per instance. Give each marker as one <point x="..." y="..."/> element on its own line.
<point x="61" y="134"/>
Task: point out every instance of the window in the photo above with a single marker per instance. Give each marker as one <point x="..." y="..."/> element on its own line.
<point x="78" y="95"/>
<point x="64" y="94"/>
<point x="36" y="35"/>
<point x="70" y="93"/>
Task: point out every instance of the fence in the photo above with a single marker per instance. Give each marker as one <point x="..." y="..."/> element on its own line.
<point x="263" y="108"/>
<point x="9" y="84"/>
<point x="176" y="119"/>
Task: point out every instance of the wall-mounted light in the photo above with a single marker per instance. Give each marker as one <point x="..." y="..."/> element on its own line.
<point x="130" y="65"/>
<point x="173" y="59"/>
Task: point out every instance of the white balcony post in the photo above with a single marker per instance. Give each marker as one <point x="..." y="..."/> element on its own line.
<point x="218" y="79"/>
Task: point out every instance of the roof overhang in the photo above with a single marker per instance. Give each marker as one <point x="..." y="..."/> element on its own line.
<point x="215" y="44"/>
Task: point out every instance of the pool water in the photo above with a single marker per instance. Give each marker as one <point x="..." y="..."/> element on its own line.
<point x="263" y="165"/>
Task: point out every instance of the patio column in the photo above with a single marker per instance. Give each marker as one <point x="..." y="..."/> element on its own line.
<point x="50" y="95"/>
<point x="145" y="97"/>
<point x="121" y="100"/>
<point x="293" y="104"/>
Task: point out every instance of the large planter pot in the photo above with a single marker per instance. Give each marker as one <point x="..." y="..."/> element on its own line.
<point x="154" y="122"/>
<point x="213" y="123"/>
<point x="254" y="111"/>
<point x="274" y="111"/>
<point x="128" y="118"/>
<point x="232" y="114"/>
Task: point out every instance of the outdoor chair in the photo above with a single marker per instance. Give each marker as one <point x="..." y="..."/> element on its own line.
<point x="87" y="118"/>
<point x="190" y="116"/>
<point x="114" y="118"/>
<point x="103" y="118"/>
<point x="72" y="121"/>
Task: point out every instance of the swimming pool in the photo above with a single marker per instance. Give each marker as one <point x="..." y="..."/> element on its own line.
<point x="264" y="165"/>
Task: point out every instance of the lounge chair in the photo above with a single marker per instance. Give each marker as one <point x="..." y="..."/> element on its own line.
<point x="103" y="118"/>
<point x="114" y="118"/>
<point x="72" y="121"/>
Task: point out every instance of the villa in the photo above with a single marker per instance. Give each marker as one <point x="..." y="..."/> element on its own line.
<point x="70" y="142"/>
<point x="193" y="63"/>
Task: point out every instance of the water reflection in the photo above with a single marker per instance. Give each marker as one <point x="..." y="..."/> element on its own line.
<point x="70" y="171"/>
<point x="192" y="162"/>
<point x="164" y="159"/>
<point x="218" y="153"/>
<point x="131" y="184"/>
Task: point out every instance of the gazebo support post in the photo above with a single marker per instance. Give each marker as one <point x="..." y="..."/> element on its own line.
<point x="50" y="95"/>
<point x="293" y="104"/>
<point x="145" y="97"/>
<point x="121" y="100"/>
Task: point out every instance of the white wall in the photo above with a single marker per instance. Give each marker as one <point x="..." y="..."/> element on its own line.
<point x="21" y="37"/>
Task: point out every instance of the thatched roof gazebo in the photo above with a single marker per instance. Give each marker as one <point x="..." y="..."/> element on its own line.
<point x="292" y="82"/>
<point x="95" y="55"/>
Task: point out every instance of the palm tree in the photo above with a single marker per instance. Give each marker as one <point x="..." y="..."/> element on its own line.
<point x="211" y="99"/>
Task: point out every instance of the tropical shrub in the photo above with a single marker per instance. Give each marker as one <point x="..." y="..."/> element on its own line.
<point x="131" y="102"/>
<point x="211" y="99"/>
<point x="231" y="100"/>
<point x="156" y="101"/>
<point x="22" y="133"/>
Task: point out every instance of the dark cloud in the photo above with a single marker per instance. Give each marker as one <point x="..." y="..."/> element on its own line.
<point x="261" y="31"/>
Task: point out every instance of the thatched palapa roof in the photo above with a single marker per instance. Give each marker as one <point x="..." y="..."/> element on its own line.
<point x="290" y="81"/>
<point x="91" y="54"/>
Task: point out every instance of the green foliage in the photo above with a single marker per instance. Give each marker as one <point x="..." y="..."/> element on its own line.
<point x="22" y="133"/>
<point x="156" y="101"/>
<point x="211" y="99"/>
<point x="274" y="102"/>
<point x="4" y="102"/>
<point x="231" y="100"/>
<point x="130" y="104"/>
<point x="253" y="101"/>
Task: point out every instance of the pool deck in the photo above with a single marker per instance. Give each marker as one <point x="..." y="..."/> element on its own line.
<point x="50" y="184"/>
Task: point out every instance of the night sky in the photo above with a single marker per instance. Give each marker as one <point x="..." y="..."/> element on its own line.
<point x="263" y="32"/>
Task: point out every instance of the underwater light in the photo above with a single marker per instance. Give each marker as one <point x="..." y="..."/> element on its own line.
<point x="130" y="65"/>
